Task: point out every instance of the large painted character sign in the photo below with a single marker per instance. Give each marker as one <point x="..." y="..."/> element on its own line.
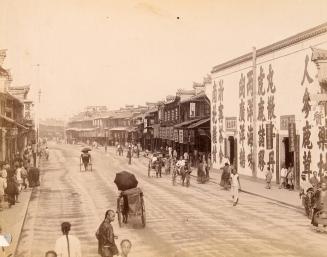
<point x="306" y="75"/>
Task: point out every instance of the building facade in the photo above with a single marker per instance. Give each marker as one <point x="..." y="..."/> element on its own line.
<point x="269" y="107"/>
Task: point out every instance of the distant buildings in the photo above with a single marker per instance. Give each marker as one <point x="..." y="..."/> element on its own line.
<point x="181" y="121"/>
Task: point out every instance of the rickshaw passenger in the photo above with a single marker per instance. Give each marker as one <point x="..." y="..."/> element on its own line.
<point x="86" y="158"/>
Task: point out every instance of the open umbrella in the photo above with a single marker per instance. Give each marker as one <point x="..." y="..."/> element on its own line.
<point x="86" y="149"/>
<point x="125" y="180"/>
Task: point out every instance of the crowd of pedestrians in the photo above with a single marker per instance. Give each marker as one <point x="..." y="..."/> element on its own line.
<point x="17" y="177"/>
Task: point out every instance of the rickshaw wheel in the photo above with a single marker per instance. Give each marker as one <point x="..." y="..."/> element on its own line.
<point x="143" y="216"/>
<point x="119" y="212"/>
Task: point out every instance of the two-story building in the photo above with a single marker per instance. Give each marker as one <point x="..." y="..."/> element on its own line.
<point x="13" y="127"/>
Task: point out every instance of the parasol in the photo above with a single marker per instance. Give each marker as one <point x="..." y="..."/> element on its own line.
<point x="86" y="149"/>
<point x="125" y="180"/>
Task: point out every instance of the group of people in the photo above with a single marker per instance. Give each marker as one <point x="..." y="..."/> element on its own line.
<point x="132" y="150"/>
<point x="287" y="177"/>
<point x="17" y="177"/>
<point x="69" y="245"/>
<point x="230" y="179"/>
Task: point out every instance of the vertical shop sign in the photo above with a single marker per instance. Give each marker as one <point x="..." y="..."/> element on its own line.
<point x="269" y="136"/>
<point x="292" y="136"/>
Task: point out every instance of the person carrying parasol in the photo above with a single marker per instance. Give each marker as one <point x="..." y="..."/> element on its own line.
<point x="85" y="157"/>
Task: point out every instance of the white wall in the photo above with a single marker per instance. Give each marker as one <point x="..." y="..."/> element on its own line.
<point x="288" y="67"/>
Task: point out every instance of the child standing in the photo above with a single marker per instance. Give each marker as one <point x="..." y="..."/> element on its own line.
<point x="268" y="178"/>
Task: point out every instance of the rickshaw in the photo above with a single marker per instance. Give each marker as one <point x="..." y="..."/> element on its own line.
<point x="133" y="207"/>
<point x="85" y="159"/>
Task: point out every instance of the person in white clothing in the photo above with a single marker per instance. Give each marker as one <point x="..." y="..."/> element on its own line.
<point x="283" y="174"/>
<point x="67" y="245"/>
<point x="235" y="186"/>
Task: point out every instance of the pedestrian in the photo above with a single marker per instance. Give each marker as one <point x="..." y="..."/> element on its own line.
<point x="105" y="235"/>
<point x="125" y="246"/>
<point x="24" y="175"/>
<point x="225" y="177"/>
<point x="186" y="156"/>
<point x="236" y="186"/>
<point x="129" y="155"/>
<point x="18" y="174"/>
<point x="320" y="202"/>
<point x="170" y="152"/>
<point x="314" y="180"/>
<point x="137" y="151"/>
<point x="268" y="178"/>
<point x="3" y="171"/>
<point x="51" y="254"/>
<point x="3" y="186"/>
<point x="201" y="172"/>
<point x="175" y="154"/>
<point x="290" y="177"/>
<point x="11" y="190"/>
<point x="67" y="245"/>
<point x="283" y="174"/>
<point x="208" y="167"/>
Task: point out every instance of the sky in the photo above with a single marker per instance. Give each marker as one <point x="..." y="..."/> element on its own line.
<point x="102" y="52"/>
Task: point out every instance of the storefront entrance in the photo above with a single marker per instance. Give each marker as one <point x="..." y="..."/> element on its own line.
<point x="287" y="157"/>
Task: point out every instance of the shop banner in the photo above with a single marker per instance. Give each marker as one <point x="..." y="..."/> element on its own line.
<point x="192" y="136"/>
<point x="176" y="135"/>
<point x="180" y="133"/>
<point x="269" y="136"/>
<point x="292" y="136"/>
<point x="185" y="136"/>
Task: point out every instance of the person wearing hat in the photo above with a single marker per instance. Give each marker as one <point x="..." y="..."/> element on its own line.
<point x="67" y="245"/>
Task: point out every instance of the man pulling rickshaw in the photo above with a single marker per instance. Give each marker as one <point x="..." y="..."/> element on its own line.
<point x="85" y="159"/>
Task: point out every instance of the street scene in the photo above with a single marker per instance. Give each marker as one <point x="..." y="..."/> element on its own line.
<point x="163" y="128"/>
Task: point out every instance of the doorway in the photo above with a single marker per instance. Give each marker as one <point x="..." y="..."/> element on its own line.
<point x="288" y="159"/>
<point x="231" y="149"/>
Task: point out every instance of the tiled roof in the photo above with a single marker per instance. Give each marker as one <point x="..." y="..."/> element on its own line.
<point x="313" y="32"/>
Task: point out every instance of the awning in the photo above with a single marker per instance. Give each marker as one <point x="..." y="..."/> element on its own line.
<point x="12" y="121"/>
<point x="186" y="123"/>
<point x="199" y="123"/>
<point x="119" y="129"/>
<point x="80" y="129"/>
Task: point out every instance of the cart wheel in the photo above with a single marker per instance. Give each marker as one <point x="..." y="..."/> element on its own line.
<point x="143" y="215"/>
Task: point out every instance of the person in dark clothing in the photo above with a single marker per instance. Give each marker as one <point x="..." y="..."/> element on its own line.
<point x="129" y="155"/>
<point x="106" y="238"/>
<point x="11" y="190"/>
<point x="125" y="208"/>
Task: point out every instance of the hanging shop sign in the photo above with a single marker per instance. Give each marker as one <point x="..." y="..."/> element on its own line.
<point x="292" y="136"/>
<point x="285" y="120"/>
<point x="191" y="137"/>
<point x="269" y="136"/>
<point x="180" y="136"/>
<point x="185" y="136"/>
<point x="176" y="135"/>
